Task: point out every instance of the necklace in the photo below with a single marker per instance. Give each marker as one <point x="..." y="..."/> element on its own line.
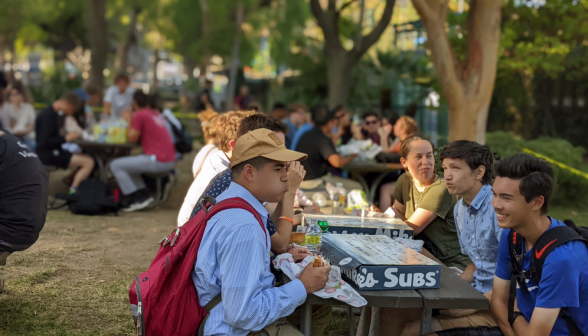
<point x="422" y="194"/>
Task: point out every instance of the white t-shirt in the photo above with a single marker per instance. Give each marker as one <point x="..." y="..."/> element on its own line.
<point x="6" y="115"/>
<point x="213" y="165"/>
<point x="204" y="152"/>
<point x="119" y="101"/>
<point x="24" y="116"/>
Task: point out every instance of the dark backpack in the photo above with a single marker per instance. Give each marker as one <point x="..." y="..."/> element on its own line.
<point x="163" y="299"/>
<point x="183" y="138"/>
<point x="92" y="198"/>
<point x="547" y="243"/>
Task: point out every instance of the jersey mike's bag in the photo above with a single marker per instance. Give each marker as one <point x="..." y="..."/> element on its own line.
<point x="164" y="301"/>
<point x="92" y="198"/>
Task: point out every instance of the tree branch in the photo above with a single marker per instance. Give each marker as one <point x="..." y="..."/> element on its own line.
<point x="345" y="5"/>
<point x="367" y="41"/>
<point x="318" y="13"/>
<point x="423" y="8"/>
<point x="332" y="6"/>
<point x="359" y="35"/>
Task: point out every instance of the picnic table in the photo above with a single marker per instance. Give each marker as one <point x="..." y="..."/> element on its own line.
<point x="358" y="169"/>
<point x="454" y="293"/>
<point x="104" y="153"/>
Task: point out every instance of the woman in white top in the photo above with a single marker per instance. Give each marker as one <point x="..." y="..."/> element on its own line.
<point x="210" y="147"/>
<point x="24" y="114"/>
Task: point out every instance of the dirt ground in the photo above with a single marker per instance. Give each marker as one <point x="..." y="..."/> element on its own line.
<point x="75" y="279"/>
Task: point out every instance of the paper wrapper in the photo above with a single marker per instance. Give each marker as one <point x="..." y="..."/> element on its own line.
<point x="335" y="287"/>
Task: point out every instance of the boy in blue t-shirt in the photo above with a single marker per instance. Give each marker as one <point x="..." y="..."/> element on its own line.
<point x="521" y="193"/>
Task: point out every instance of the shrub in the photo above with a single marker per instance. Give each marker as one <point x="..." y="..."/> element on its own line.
<point x="569" y="188"/>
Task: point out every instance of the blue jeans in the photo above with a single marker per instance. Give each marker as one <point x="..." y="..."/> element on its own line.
<point x="32" y="144"/>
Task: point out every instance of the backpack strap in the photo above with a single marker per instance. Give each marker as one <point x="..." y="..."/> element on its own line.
<point x="515" y="247"/>
<point x="236" y="203"/>
<point x="209" y="306"/>
<point x="547" y="243"/>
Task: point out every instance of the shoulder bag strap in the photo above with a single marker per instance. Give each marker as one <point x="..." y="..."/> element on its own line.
<point x="202" y="162"/>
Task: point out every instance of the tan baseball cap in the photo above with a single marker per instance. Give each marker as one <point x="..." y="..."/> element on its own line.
<point x="265" y="143"/>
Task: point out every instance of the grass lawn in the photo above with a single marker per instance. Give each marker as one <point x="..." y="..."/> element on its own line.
<point x="579" y="214"/>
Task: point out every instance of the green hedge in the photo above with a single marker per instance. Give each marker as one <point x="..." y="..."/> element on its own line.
<point x="569" y="188"/>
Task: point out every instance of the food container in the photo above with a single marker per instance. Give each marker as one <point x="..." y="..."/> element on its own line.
<point x="344" y="224"/>
<point x="377" y="262"/>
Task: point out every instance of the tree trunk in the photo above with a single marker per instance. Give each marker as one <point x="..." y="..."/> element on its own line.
<point x="123" y="53"/>
<point x="339" y="79"/>
<point x="205" y="55"/>
<point x="98" y="43"/>
<point x="230" y="97"/>
<point x="154" y="85"/>
<point x="467" y="85"/>
<point x="340" y="62"/>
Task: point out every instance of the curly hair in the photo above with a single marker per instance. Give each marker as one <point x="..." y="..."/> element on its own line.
<point x="209" y="128"/>
<point x="227" y="125"/>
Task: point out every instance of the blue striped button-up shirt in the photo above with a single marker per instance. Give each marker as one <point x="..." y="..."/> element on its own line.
<point x="234" y="259"/>
<point x="479" y="234"/>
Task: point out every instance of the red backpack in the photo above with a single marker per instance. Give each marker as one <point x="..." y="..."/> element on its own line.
<point x="163" y="300"/>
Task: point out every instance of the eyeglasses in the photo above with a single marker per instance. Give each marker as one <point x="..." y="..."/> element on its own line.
<point x="371" y="122"/>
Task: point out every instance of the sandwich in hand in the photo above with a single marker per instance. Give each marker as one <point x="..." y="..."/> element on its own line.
<point x="319" y="261"/>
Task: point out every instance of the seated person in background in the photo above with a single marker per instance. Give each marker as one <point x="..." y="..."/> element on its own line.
<point x="23" y="196"/>
<point x="243" y="98"/>
<point x="91" y="97"/>
<point x="342" y="132"/>
<point x="296" y="118"/>
<point x="118" y="97"/>
<point x="234" y="258"/>
<point x="423" y="202"/>
<point x="372" y="124"/>
<point x="156" y="104"/>
<point x="307" y="126"/>
<point x="317" y="143"/>
<point x="403" y="128"/>
<point x="467" y="168"/>
<point x="228" y="123"/>
<point x="7" y="118"/>
<point x="279" y="111"/>
<point x="49" y="131"/>
<point x="209" y="130"/>
<point x="148" y="128"/>
<point x="521" y="195"/>
<point x="24" y="114"/>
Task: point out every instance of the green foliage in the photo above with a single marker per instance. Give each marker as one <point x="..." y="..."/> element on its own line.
<point x="569" y="188"/>
<point x="55" y="85"/>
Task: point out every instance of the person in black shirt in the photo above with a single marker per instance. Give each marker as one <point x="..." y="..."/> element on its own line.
<point x="23" y="193"/>
<point x="317" y="143"/>
<point x="48" y="127"/>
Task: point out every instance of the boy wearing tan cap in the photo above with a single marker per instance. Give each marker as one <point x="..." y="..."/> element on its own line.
<point x="234" y="258"/>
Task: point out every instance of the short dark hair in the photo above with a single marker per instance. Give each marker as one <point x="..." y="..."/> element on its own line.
<point x="473" y="153"/>
<point x="121" y="76"/>
<point x="141" y="99"/>
<point x="321" y="114"/>
<point x="338" y="108"/>
<point x="92" y="91"/>
<point x="156" y="102"/>
<point x="279" y="106"/>
<point x="535" y="174"/>
<point x="411" y="110"/>
<point x="258" y="163"/>
<point x="370" y="114"/>
<point x="73" y="99"/>
<point x="258" y="121"/>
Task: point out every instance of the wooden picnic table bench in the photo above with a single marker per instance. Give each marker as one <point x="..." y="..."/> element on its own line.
<point x="454" y="293"/>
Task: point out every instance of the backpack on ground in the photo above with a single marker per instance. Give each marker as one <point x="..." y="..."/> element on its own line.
<point x="163" y="299"/>
<point x="182" y="136"/>
<point x="92" y="198"/>
<point x="549" y="241"/>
